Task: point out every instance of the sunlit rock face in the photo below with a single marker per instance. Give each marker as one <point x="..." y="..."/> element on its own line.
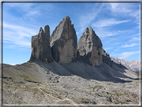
<point x="63" y="42"/>
<point x="90" y="48"/>
<point x="40" y="46"/>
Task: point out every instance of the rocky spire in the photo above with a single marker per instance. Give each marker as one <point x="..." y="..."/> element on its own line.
<point x="40" y="46"/>
<point x="90" y="48"/>
<point x="63" y="42"/>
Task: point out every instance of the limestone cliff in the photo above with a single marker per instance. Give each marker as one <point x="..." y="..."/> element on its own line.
<point x="90" y="48"/>
<point x="63" y="42"/>
<point x="40" y="46"/>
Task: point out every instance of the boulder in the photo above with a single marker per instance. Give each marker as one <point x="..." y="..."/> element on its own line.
<point x="89" y="48"/>
<point x="40" y="46"/>
<point x="63" y="42"/>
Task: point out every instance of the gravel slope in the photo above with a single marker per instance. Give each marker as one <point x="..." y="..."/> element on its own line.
<point x="75" y="83"/>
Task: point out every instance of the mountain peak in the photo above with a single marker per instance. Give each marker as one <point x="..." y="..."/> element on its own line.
<point x="47" y="29"/>
<point x="63" y="42"/>
<point x="66" y="18"/>
<point x="90" y="31"/>
<point x="90" y="48"/>
<point x="40" y="30"/>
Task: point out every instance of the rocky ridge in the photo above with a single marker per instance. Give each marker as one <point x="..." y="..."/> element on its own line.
<point x="64" y="47"/>
<point x="131" y="65"/>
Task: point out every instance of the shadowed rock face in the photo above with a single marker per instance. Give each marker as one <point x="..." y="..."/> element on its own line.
<point x="63" y="42"/>
<point x="90" y="48"/>
<point x="40" y="46"/>
<point x="106" y="58"/>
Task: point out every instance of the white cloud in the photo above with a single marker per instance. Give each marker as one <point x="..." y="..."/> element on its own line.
<point x="14" y="39"/>
<point x="114" y="5"/>
<point x="18" y="35"/>
<point x="134" y="39"/>
<point x="127" y="54"/>
<point x="129" y="45"/>
<point x="125" y="9"/>
<point x="32" y="13"/>
<point x="86" y="18"/>
<point x="108" y="48"/>
<point x="22" y="6"/>
<point x="108" y="22"/>
<point x="19" y="29"/>
<point x="105" y="32"/>
<point x="28" y="11"/>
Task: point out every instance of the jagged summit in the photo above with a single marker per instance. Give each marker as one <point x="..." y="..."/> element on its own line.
<point x="40" y="46"/>
<point x="66" y="18"/>
<point x="46" y="29"/>
<point x="63" y="42"/>
<point x="64" y="48"/>
<point x="90" y="48"/>
<point x="89" y="30"/>
<point x="62" y="45"/>
<point x="90" y="33"/>
<point x="41" y="30"/>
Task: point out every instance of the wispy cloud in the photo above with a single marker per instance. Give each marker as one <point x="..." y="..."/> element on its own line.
<point x="108" y="48"/>
<point x="28" y="11"/>
<point x="105" y="32"/>
<point x="134" y="39"/>
<point x="22" y="6"/>
<point x="19" y="29"/>
<point x="18" y="35"/>
<point x="125" y="9"/>
<point x="85" y="20"/>
<point x="127" y="54"/>
<point x="129" y="45"/>
<point x="32" y="13"/>
<point x="108" y="22"/>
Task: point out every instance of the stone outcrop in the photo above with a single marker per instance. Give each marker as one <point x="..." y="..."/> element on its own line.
<point x="106" y="58"/>
<point x="63" y="42"/>
<point x="90" y="48"/>
<point x="62" y="45"/>
<point x="40" y="46"/>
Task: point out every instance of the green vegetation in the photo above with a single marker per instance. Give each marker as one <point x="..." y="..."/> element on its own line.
<point x="5" y="82"/>
<point x="64" y="102"/>
<point x="28" y="79"/>
<point x="52" y="93"/>
<point x="36" y="90"/>
<point x="97" y="86"/>
<point x="18" y="102"/>
<point x="85" y="100"/>
<point x="15" y="95"/>
<point x="7" y="86"/>
<point x="118" y="94"/>
<point x="42" y="93"/>
<point x="123" y="102"/>
<point x="25" y="77"/>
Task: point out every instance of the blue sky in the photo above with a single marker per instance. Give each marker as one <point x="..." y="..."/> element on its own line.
<point x="117" y="25"/>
